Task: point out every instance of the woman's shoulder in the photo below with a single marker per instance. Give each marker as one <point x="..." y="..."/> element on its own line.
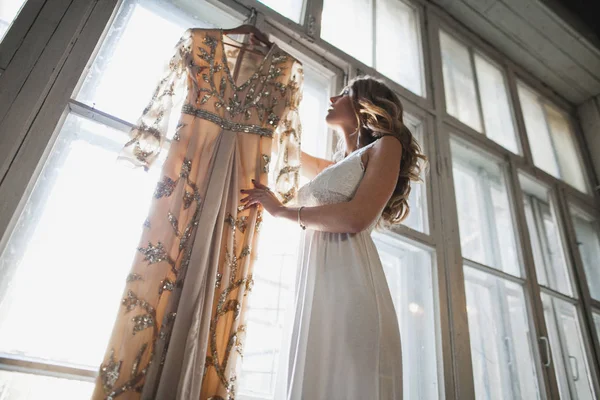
<point x="386" y="147"/>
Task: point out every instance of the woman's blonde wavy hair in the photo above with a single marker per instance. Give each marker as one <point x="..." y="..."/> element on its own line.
<point x="379" y="112"/>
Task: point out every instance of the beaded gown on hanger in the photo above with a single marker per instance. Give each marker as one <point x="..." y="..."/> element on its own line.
<point x="180" y="328"/>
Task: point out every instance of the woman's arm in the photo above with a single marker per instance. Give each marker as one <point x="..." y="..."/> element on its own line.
<point x="311" y="166"/>
<point x="372" y="195"/>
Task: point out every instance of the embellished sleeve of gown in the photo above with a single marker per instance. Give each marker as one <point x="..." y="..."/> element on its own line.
<point x="147" y="136"/>
<point x="284" y="175"/>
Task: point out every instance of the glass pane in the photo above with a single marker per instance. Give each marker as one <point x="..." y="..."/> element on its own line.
<point x="62" y="272"/>
<point x="571" y="169"/>
<point x="550" y="263"/>
<point x="551" y="139"/>
<point x="410" y="278"/>
<point x="484" y="215"/>
<point x="9" y="9"/>
<point x="588" y="242"/>
<point x="417" y="199"/>
<point x="537" y="131"/>
<point x="120" y="87"/>
<point x="268" y="307"/>
<point x="19" y="386"/>
<point x="398" y="45"/>
<point x="291" y="9"/>
<point x="459" y="85"/>
<point x="316" y="139"/>
<point x="568" y="351"/>
<point x="501" y="347"/>
<point x="348" y="25"/>
<point x="497" y="116"/>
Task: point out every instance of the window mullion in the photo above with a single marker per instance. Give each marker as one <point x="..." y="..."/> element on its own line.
<point x="20" y="364"/>
<point x="515" y="104"/>
<point x="477" y="91"/>
<point x="591" y="341"/>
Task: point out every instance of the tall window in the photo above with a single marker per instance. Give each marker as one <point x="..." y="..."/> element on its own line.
<point x="551" y="139"/>
<point x="81" y="194"/>
<point x="559" y="298"/>
<point x="476" y="92"/>
<point x="501" y="340"/>
<point x="383" y="34"/>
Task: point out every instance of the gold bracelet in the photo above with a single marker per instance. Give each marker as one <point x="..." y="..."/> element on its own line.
<point x="299" y="219"/>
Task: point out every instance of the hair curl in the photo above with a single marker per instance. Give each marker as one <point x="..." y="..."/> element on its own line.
<point x="379" y="112"/>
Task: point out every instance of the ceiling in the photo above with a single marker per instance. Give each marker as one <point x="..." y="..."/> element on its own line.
<point x="545" y="37"/>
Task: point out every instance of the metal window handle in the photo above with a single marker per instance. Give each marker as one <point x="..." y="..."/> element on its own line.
<point x="576" y="377"/>
<point x="508" y="350"/>
<point x="547" y="347"/>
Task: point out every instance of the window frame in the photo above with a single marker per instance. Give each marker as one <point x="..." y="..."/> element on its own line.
<point x="457" y="383"/>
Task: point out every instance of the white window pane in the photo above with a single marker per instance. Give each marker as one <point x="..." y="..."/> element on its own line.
<point x="501" y="349"/>
<point x="569" y="160"/>
<point x="118" y="84"/>
<point x="316" y="139"/>
<point x="417" y="199"/>
<point x="9" y="10"/>
<point x="398" y="46"/>
<point x="550" y="263"/>
<point x="269" y="306"/>
<point x="459" y="85"/>
<point x="410" y="278"/>
<point x="537" y="131"/>
<point x="551" y="139"/>
<point x="588" y="243"/>
<point x="348" y="25"/>
<point x="291" y="9"/>
<point x="20" y="386"/>
<point x="484" y="214"/>
<point x="65" y="257"/>
<point x="497" y="116"/>
<point x="568" y="350"/>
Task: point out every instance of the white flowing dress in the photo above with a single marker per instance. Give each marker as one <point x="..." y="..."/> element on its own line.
<point x="343" y="340"/>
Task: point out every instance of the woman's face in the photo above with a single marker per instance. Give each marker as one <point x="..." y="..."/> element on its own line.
<point x="341" y="112"/>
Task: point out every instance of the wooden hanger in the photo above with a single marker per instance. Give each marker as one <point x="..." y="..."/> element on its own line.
<point x="249" y="29"/>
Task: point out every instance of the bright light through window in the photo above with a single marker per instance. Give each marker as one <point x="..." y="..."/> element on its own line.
<point x="384" y="34"/>
<point x="291" y="9"/>
<point x="410" y="277"/>
<point x="552" y="140"/>
<point x="9" y="10"/>
<point x="484" y="214"/>
<point x="65" y="263"/>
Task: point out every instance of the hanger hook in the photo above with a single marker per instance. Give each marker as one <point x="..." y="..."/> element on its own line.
<point x="251" y="20"/>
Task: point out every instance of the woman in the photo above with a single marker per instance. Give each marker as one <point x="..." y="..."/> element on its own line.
<point x="345" y="340"/>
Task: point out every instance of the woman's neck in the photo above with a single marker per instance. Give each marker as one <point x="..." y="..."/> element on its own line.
<point x="351" y="137"/>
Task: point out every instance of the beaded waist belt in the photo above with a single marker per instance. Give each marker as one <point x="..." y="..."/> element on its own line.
<point x="225" y="124"/>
